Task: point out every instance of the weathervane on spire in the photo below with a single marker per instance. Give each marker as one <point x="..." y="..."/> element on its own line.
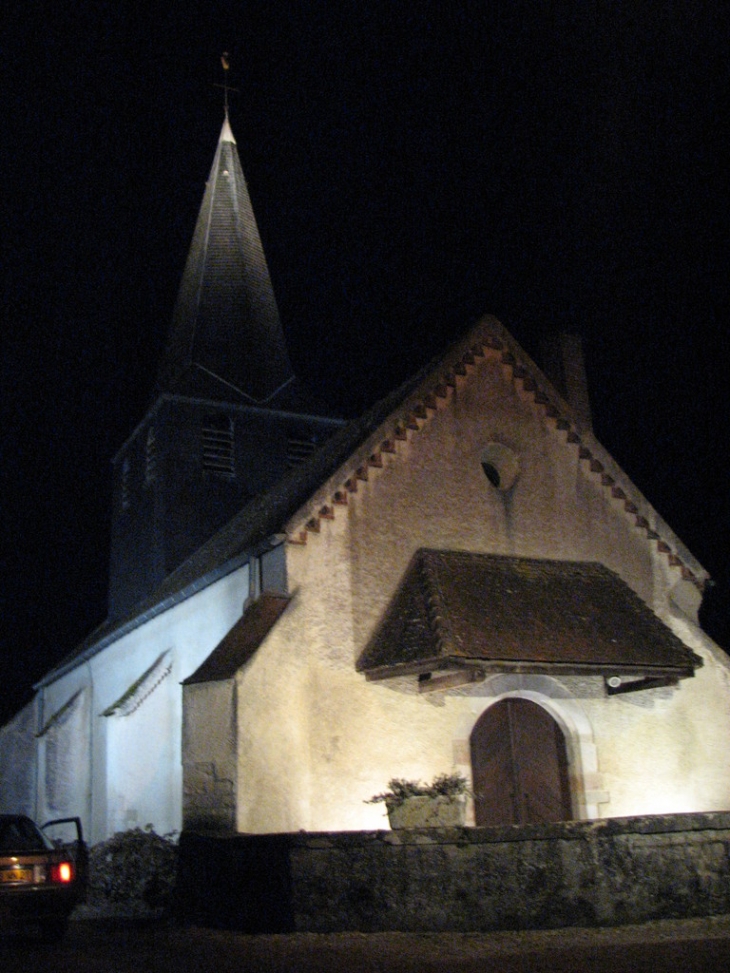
<point x="226" y="64"/>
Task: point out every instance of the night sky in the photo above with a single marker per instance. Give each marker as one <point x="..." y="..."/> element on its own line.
<point x="560" y="165"/>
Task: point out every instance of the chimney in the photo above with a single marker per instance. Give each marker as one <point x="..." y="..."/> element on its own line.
<point x="562" y="361"/>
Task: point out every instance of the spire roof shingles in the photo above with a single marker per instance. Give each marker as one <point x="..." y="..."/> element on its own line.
<point x="226" y="299"/>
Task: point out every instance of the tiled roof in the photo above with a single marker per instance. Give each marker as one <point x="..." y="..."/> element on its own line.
<point x="63" y="714"/>
<point x="241" y="643"/>
<point x="142" y="687"/>
<point x="226" y="339"/>
<point x="257" y="524"/>
<point x="520" y="614"/>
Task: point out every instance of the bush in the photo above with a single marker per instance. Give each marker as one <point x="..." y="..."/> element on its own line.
<point x="135" y="869"/>
<point x="450" y="786"/>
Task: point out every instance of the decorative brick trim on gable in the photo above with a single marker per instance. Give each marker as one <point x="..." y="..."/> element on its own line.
<point x="435" y="394"/>
<point x="585" y="455"/>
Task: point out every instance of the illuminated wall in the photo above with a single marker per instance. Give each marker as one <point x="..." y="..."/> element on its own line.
<point x="316" y="740"/>
<point x="122" y="766"/>
<point x="298" y="739"/>
<point x="18" y="766"/>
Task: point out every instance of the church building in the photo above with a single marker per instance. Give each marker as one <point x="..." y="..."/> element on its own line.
<point x="301" y="608"/>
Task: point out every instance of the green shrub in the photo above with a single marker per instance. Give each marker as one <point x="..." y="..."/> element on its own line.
<point x="450" y="786"/>
<point x="134" y="868"/>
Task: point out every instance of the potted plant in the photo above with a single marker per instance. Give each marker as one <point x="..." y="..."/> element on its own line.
<point x="411" y="804"/>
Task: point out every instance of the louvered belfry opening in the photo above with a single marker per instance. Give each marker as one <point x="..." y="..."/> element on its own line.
<point x="217" y="444"/>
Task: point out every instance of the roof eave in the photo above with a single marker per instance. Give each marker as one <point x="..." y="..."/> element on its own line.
<point x="491" y="667"/>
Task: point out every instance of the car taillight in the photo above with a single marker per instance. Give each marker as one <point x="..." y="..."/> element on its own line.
<point x="62" y="872"/>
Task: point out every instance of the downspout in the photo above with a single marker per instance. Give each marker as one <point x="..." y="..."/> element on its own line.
<point x="254" y="580"/>
<point x="92" y="754"/>
<point x="38" y="738"/>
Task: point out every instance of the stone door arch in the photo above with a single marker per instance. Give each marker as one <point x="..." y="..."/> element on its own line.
<point x="519" y="766"/>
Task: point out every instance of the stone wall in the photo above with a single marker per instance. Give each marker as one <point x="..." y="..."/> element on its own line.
<point x="601" y="873"/>
<point x="209" y="756"/>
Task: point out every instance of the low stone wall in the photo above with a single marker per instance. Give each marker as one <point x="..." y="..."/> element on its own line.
<point x="608" y="872"/>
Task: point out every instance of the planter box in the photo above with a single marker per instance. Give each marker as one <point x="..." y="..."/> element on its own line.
<point x="428" y="812"/>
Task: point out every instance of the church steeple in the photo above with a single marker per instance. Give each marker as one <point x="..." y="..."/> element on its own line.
<point x="226" y="340"/>
<point x="228" y="418"/>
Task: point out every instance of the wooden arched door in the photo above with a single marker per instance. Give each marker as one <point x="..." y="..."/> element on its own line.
<point x="519" y="766"/>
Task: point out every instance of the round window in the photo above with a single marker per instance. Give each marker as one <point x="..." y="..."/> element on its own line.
<point x="501" y="465"/>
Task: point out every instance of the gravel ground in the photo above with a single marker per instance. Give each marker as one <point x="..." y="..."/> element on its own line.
<point x="155" y="946"/>
<point x="680" y="947"/>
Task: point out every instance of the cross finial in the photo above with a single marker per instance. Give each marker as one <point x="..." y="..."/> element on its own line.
<point x="226" y="64"/>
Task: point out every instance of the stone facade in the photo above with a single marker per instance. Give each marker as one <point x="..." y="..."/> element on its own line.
<point x="315" y="739"/>
<point x="295" y="737"/>
<point x="480" y="454"/>
<point x="209" y="731"/>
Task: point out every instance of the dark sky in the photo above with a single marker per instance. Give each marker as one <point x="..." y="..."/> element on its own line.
<point x="561" y="165"/>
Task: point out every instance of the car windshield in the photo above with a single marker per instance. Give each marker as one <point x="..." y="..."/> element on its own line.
<point x="20" y="834"/>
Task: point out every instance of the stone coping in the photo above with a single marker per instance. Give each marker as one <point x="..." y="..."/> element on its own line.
<point x="564" y="830"/>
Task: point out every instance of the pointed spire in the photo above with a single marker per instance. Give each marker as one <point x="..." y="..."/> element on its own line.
<point x="226" y="339"/>
<point x="226" y="133"/>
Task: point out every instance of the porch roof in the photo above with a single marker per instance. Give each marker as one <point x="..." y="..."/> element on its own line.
<point x="494" y="613"/>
